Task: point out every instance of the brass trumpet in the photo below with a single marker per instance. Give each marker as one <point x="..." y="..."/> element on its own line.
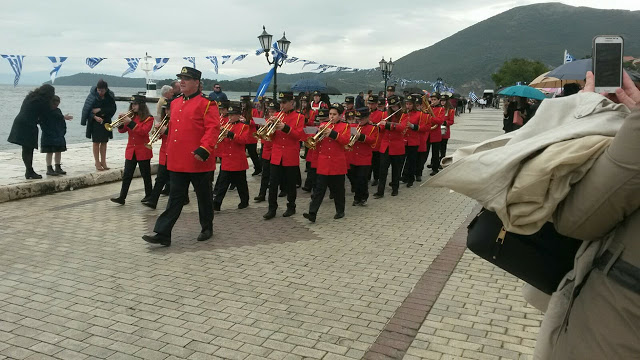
<point x="426" y="107"/>
<point x="312" y="142"/>
<point x="266" y="132"/>
<point x="156" y="134"/>
<point x="224" y="131"/>
<point x="118" y="122"/>
<point x="353" y="139"/>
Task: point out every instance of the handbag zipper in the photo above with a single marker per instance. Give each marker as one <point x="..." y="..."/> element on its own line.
<point x="499" y="243"/>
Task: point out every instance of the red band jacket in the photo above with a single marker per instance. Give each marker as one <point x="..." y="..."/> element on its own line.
<point x="331" y="151"/>
<point x="232" y="151"/>
<point x="193" y="129"/>
<point x="138" y="131"/>
<point x="415" y="127"/>
<point x="375" y="117"/>
<point x="363" y="148"/>
<point x="424" y="136"/>
<point x="392" y="137"/>
<point x="448" y="121"/>
<point x="435" y="135"/>
<point x="286" y="142"/>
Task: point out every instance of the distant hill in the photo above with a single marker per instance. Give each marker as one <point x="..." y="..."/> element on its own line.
<point x="90" y="79"/>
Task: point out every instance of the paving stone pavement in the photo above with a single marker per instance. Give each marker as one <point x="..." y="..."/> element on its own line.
<point x="387" y="281"/>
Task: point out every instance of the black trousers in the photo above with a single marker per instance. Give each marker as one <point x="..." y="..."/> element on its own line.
<point x="435" y="155"/>
<point x="252" y="149"/>
<point x="264" y="178"/>
<point x="422" y="159"/>
<point x="310" y="181"/>
<point x="375" y="166"/>
<point x="335" y="183"/>
<point x="127" y="176"/>
<point x="27" y="158"/>
<point x="162" y="179"/>
<point x="361" y="181"/>
<point x="410" y="164"/>
<point x="443" y="148"/>
<point x="237" y="178"/>
<point x="350" y="176"/>
<point x="284" y="177"/>
<point x="179" y="186"/>
<point x="396" y="168"/>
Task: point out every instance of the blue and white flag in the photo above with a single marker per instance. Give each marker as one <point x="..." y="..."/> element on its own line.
<point x="308" y="62"/>
<point x="341" y="68"/>
<point x="191" y="59"/>
<point x="568" y="57"/>
<point x="239" y="58"/>
<point x="276" y="52"/>
<point x="160" y="62"/>
<point x="57" y="64"/>
<point x="259" y="52"/>
<point x="214" y="61"/>
<point x="291" y="60"/>
<point x="225" y="58"/>
<point x="133" y="65"/>
<point x="265" y="84"/>
<point x="16" y="64"/>
<point x="327" y="67"/>
<point x="473" y="96"/>
<point x="92" y="62"/>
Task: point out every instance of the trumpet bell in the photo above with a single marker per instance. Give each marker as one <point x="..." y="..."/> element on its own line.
<point x="310" y="143"/>
<point x="108" y="126"/>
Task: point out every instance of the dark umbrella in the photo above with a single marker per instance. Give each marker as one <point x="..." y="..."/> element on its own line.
<point x="308" y="85"/>
<point x="577" y="70"/>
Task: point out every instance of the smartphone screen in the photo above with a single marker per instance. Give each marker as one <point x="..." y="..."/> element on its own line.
<point x="607" y="64"/>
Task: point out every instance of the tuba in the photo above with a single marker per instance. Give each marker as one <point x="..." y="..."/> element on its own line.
<point x="118" y="122"/>
<point x="156" y="134"/>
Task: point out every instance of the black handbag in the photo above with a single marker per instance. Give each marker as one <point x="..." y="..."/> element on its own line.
<point x="541" y="259"/>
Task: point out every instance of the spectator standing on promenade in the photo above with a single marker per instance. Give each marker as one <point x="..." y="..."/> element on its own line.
<point x="98" y="109"/>
<point x="24" y="131"/>
<point x="217" y="94"/>
<point x="360" y="100"/>
<point x="52" y="142"/>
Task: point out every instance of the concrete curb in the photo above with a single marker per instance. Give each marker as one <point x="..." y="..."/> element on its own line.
<point x="62" y="183"/>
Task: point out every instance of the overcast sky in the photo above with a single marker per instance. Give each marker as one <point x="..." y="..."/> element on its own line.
<point x="343" y="33"/>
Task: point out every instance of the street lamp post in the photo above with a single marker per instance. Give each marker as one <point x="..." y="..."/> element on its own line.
<point x="283" y="45"/>
<point x="386" y="68"/>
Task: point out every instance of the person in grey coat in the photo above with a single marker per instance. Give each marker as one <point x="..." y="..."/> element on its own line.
<point x="24" y="131"/>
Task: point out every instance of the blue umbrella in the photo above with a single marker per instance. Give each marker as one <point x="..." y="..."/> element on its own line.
<point x="523" y="91"/>
<point x="308" y="85"/>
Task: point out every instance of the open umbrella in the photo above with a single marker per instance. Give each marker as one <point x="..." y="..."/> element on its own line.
<point x="546" y="81"/>
<point x="574" y="70"/>
<point x="523" y="91"/>
<point x="308" y="85"/>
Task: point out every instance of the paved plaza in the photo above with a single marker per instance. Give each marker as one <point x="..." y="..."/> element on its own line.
<point x="391" y="280"/>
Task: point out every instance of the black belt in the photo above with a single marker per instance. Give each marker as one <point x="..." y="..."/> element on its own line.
<point x="622" y="272"/>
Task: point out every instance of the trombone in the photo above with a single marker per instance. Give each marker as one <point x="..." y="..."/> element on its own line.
<point x="156" y="133"/>
<point x="312" y="142"/>
<point x="266" y="132"/>
<point x="118" y="122"/>
<point x="224" y="131"/>
<point x="353" y="139"/>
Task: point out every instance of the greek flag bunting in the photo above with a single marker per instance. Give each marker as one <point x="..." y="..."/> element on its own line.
<point x="239" y="58"/>
<point x="341" y="68"/>
<point x="57" y="64"/>
<point x="308" y="62"/>
<point x="568" y="57"/>
<point x="160" y="62"/>
<point x="133" y="65"/>
<point x="225" y="58"/>
<point x="259" y="52"/>
<point x="214" y="61"/>
<point x="191" y="59"/>
<point x="16" y="64"/>
<point x="291" y="60"/>
<point x="93" y="61"/>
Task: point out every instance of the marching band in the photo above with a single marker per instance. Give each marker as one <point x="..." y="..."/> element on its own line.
<point x="338" y="139"/>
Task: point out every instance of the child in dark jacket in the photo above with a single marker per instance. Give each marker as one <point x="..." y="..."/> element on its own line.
<point x="52" y="141"/>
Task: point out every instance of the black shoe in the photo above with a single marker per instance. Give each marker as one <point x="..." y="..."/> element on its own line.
<point x="145" y="199"/>
<point x="310" y="217"/>
<point x="363" y="203"/>
<point x="282" y="194"/>
<point x="338" y="216"/>
<point x="257" y="172"/>
<point x="32" y="175"/>
<point x="355" y="203"/>
<point x="216" y="207"/>
<point x="259" y="199"/>
<point x="59" y="170"/>
<point x="403" y="180"/>
<point x="118" y="200"/>
<point x="165" y="191"/>
<point x="156" y="239"/>
<point x="232" y="187"/>
<point x="429" y="166"/>
<point x="378" y="196"/>
<point x="391" y="184"/>
<point x="187" y="201"/>
<point x="433" y="173"/>
<point x="306" y="189"/>
<point x="51" y="172"/>
<point x="205" y="235"/>
<point x="419" y="178"/>
<point x="269" y="215"/>
<point x="440" y="167"/>
<point x="409" y="184"/>
<point x="330" y="196"/>
<point x="243" y="205"/>
<point x="374" y="183"/>
<point x="394" y="192"/>
<point x="149" y="204"/>
<point x="289" y="212"/>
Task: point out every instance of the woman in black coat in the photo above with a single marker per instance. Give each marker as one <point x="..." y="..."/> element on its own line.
<point x="24" y="131"/>
<point x="52" y="141"/>
<point x="99" y="108"/>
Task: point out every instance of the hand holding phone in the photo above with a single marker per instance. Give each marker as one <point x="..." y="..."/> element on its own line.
<point x="607" y="53"/>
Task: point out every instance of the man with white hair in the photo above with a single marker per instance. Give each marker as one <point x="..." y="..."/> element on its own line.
<point x="166" y="93"/>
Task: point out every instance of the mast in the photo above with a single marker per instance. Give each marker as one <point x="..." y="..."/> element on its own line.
<point x="147" y="66"/>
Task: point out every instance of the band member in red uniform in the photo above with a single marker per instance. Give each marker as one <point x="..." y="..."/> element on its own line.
<point x="435" y="133"/>
<point x="391" y="91"/>
<point x="332" y="165"/>
<point x="450" y="113"/>
<point x="136" y="153"/>
<point x="234" y="165"/>
<point x="193" y="133"/>
<point x="392" y="147"/>
<point x="272" y="110"/>
<point x="425" y="118"/>
<point x="248" y="113"/>
<point x="312" y="155"/>
<point x="415" y="127"/>
<point x="285" y="156"/>
<point x="376" y="113"/>
<point x="317" y="102"/>
<point x="362" y="151"/>
<point x="349" y="105"/>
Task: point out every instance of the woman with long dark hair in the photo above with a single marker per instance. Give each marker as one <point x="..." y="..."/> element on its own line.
<point x="98" y="109"/>
<point x="24" y="131"/>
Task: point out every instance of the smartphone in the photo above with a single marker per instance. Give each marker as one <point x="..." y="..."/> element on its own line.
<point x="607" y="52"/>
